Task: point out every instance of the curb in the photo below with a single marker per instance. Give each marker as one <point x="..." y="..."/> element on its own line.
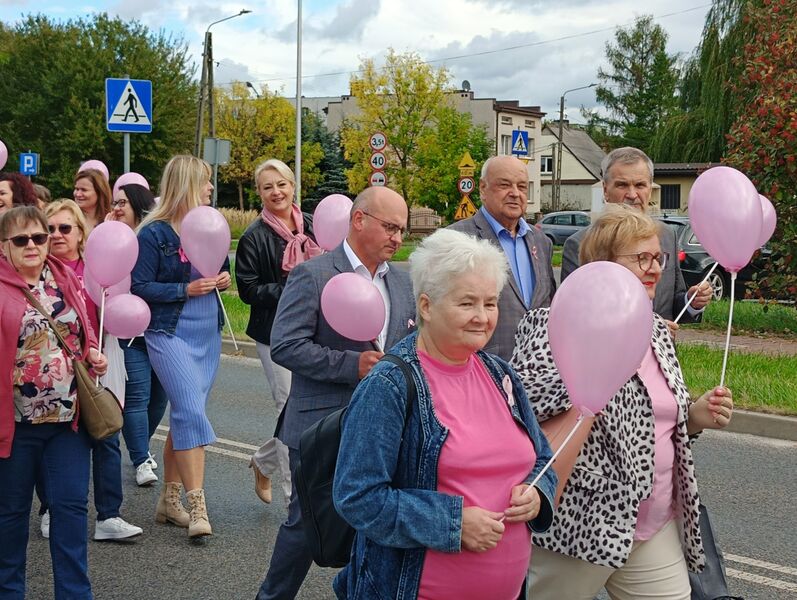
<point x="744" y="421"/>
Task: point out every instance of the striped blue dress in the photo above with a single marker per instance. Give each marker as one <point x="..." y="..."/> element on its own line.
<point x="186" y="364"/>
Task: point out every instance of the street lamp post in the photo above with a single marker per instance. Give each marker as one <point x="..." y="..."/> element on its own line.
<point x="556" y="195"/>
<point x="206" y="87"/>
<point x="253" y="88"/>
<point x="298" y="163"/>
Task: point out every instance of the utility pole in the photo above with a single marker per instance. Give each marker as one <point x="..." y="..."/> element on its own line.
<point x="556" y="193"/>
<point x="200" y="112"/>
<point x="298" y="163"/>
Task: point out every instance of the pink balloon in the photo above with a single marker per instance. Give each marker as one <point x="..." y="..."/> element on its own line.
<point x="126" y="316"/>
<point x="353" y="307"/>
<point x="331" y="221"/>
<point x="130" y="177"/>
<point x="111" y="252"/>
<point x="205" y="238"/>
<point x="600" y="326"/>
<point x="3" y="154"/>
<point x="726" y="216"/>
<point x="769" y="220"/>
<point x="98" y="165"/>
<point x="94" y="289"/>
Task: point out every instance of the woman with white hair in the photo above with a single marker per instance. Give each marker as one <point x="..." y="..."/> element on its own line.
<point x="441" y="503"/>
<point x="279" y="239"/>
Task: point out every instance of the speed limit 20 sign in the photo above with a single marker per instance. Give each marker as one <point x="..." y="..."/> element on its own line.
<point x="465" y="185"/>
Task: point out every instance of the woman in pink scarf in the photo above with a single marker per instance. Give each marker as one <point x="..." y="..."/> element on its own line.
<point x="272" y="245"/>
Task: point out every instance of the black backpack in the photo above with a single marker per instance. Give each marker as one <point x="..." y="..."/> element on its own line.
<point x="329" y="537"/>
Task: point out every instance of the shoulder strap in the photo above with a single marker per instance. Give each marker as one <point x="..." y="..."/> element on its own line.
<point x="37" y="305"/>
<point x="412" y="392"/>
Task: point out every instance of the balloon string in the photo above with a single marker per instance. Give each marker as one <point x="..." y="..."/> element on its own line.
<point x="728" y="333"/>
<point x="697" y="290"/>
<point x="102" y="321"/>
<point x="555" y="454"/>
<point x="226" y="318"/>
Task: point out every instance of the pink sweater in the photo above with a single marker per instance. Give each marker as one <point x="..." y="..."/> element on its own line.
<point x="485" y="454"/>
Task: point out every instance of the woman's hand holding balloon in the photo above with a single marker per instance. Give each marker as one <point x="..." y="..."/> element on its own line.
<point x="712" y="410"/>
<point x="98" y="361"/>
<point x="523" y="506"/>
<point x="201" y="286"/>
<point x="223" y="281"/>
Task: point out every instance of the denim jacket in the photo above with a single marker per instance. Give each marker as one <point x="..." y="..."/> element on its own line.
<point x="161" y="278"/>
<point x="385" y="486"/>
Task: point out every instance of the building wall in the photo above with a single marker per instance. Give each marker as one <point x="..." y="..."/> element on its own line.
<point x="684" y="181"/>
<point x="574" y="196"/>
<point x="337" y="112"/>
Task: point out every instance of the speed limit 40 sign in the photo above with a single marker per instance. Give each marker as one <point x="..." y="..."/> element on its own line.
<point x="378" y="161"/>
<point x="465" y="185"/>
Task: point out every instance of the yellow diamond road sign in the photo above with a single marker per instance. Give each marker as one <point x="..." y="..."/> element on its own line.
<point x="467" y="168"/>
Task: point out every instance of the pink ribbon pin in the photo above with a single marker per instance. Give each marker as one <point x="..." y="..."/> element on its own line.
<point x="507" y="385"/>
<point x="534" y="252"/>
<point x="410" y="323"/>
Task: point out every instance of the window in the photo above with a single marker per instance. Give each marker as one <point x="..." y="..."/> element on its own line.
<point x="506" y="144"/>
<point x="671" y="197"/>
<point x="546" y="165"/>
<point x="506" y="120"/>
<point x="581" y="220"/>
<point x="530" y="123"/>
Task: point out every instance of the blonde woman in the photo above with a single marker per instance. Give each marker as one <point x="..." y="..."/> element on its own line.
<point x="183" y="338"/>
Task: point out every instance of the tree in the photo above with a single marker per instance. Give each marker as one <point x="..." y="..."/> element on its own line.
<point x="52" y="81"/>
<point x="409" y="101"/>
<point x="332" y="165"/>
<point x="762" y="141"/>
<point x="259" y="129"/>
<point x="638" y="90"/>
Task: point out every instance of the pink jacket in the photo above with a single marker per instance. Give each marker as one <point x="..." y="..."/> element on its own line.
<point x="12" y="309"/>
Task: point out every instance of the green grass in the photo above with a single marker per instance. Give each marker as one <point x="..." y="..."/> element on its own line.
<point x="556" y="259"/>
<point x="407" y="248"/>
<point x="234" y="245"/>
<point x="758" y="382"/>
<point x="751" y="318"/>
<point x="238" y="313"/>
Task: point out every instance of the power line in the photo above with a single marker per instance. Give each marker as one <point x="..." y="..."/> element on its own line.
<point x="488" y="52"/>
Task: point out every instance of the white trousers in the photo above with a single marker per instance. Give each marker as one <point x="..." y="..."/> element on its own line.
<point x="655" y="569"/>
<point x="273" y="455"/>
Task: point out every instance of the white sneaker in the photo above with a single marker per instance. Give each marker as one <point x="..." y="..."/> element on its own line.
<point x="144" y="474"/>
<point x="115" y="528"/>
<point x="46" y="525"/>
<point x="151" y="461"/>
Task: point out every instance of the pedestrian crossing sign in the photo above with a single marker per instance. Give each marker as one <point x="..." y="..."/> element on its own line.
<point x="520" y="143"/>
<point x="128" y="105"/>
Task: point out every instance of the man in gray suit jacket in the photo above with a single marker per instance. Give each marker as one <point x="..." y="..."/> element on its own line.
<point x="628" y="179"/>
<point x="327" y="366"/>
<point x="504" y="187"/>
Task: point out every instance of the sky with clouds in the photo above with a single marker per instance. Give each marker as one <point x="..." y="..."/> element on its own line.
<point x="526" y="50"/>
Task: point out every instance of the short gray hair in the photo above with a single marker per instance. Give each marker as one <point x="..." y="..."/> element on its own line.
<point x="627" y="155"/>
<point x="446" y="255"/>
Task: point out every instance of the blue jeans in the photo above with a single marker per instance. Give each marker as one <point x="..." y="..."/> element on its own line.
<point x="145" y="402"/>
<point x="62" y="457"/>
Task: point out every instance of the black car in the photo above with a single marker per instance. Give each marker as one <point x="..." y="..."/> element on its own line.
<point x="696" y="262"/>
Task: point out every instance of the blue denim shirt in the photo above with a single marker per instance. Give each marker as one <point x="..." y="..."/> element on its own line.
<point x="160" y="277"/>
<point x="386" y="486"/>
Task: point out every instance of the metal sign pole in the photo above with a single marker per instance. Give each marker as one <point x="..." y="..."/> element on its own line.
<point x="126" y="157"/>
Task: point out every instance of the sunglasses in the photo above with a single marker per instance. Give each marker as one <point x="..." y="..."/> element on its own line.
<point x="63" y="228"/>
<point x="20" y="241"/>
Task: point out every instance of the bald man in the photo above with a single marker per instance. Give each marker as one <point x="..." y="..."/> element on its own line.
<point x="326" y="366"/>
<point x="504" y="188"/>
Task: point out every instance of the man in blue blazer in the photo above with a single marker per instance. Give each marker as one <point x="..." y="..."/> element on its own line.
<point x="326" y="366"/>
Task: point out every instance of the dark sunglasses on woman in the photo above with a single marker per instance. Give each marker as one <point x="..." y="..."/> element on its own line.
<point x="20" y="241"/>
<point x="63" y="228"/>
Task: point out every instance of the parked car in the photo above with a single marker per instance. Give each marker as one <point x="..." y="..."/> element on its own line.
<point x="696" y="262"/>
<point x="558" y="226"/>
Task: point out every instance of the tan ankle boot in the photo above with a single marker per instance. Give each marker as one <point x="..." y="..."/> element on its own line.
<point x="199" y="524"/>
<point x="170" y="506"/>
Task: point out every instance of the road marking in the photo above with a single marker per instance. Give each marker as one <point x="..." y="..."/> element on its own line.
<point x="226" y="442"/>
<point x="761" y="580"/>
<point x="735" y="558"/>
<point x="752" y="562"/>
<point x="223" y="451"/>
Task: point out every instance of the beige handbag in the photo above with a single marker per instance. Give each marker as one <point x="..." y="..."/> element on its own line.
<point x="98" y="408"/>
<point x="556" y="430"/>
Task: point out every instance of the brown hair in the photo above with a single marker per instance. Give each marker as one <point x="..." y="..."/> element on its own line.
<point x="22" y="192"/>
<point x="103" y="190"/>
<point x="617" y="227"/>
<point x="73" y="209"/>
<point x="20" y="216"/>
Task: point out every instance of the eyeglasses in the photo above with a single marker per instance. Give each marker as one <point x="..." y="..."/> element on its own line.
<point x="20" y="241"/>
<point x="121" y="203"/>
<point x="63" y="228"/>
<point x="390" y="228"/>
<point x="645" y="259"/>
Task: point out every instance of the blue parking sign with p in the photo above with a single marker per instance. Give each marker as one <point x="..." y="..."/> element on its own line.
<point x="29" y="163"/>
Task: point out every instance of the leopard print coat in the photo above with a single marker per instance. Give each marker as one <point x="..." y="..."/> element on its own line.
<point x="596" y="518"/>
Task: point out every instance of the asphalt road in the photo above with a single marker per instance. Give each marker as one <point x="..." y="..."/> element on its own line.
<point x="749" y="483"/>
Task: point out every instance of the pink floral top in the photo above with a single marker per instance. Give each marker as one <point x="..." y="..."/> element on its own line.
<point x="45" y="388"/>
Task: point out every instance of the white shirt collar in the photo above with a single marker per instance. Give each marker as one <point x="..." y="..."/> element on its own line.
<point x="358" y="266"/>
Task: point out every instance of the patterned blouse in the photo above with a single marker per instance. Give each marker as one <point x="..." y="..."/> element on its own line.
<point x="45" y="388"/>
